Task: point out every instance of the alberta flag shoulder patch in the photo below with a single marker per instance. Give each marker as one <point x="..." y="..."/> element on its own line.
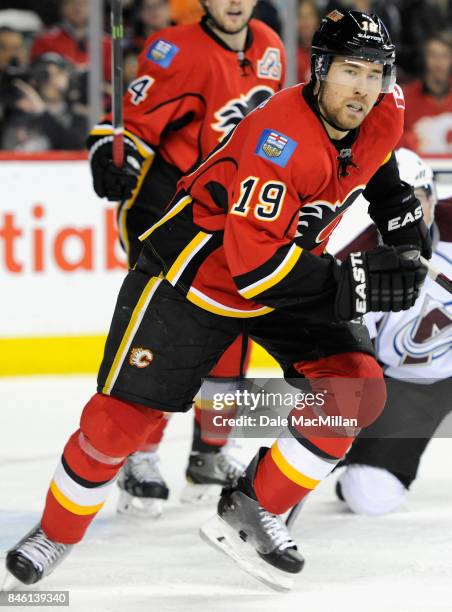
<point x="162" y="52"/>
<point x="275" y="147"/>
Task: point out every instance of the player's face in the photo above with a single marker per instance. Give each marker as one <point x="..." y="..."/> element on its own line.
<point x="232" y="15"/>
<point x="350" y="91"/>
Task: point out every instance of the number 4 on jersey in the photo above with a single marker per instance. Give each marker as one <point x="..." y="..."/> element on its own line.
<point x="271" y="198"/>
<point x="138" y="89"/>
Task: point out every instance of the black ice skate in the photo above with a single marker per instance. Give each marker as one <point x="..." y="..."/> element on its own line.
<point x="207" y="472"/>
<point x="255" y="539"/>
<point x="34" y="557"/>
<point x="143" y="490"/>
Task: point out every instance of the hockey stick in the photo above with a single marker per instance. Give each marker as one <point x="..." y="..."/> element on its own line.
<point x="117" y="32"/>
<point x="293" y="514"/>
<point x="443" y="281"/>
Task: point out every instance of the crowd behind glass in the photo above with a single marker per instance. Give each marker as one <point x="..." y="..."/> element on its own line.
<point x="44" y="62"/>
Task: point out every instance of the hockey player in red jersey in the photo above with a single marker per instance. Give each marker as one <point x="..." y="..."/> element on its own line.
<point x="195" y="83"/>
<point x="241" y="248"/>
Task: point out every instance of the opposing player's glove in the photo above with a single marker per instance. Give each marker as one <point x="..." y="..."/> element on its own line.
<point x="115" y="184"/>
<point x="378" y="280"/>
<point x="399" y="221"/>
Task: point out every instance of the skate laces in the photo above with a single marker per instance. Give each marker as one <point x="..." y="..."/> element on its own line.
<point x="144" y="467"/>
<point x="40" y="550"/>
<point x="229" y="465"/>
<point x="276" y="529"/>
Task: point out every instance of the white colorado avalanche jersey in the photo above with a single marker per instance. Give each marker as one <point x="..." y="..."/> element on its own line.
<point x="417" y="344"/>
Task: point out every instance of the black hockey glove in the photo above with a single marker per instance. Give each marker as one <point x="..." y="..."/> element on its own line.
<point x="115" y="184"/>
<point x="378" y="280"/>
<point x="399" y="221"/>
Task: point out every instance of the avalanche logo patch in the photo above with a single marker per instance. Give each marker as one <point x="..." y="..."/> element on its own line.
<point x="275" y="147"/>
<point x="426" y="337"/>
<point x="162" y="52"/>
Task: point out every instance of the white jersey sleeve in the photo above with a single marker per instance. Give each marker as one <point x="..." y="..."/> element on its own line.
<point x="417" y="344"/>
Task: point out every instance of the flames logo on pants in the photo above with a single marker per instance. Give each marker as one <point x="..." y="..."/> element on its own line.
<point x="229" y="115"/>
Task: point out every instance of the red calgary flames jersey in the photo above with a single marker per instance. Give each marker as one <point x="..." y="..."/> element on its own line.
<point x="241" y="240"/>
<point x="192" y="89"/>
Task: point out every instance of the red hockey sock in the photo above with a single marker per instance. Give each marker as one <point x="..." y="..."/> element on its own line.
<point x="110" y="430"/>
<point x="304" y="455"/>
<point x="156" y="434"/>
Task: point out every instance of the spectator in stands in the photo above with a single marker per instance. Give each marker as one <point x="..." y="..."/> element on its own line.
<point x="12" y="49"/>
<point x="421" y="19"/>
<point x="47" y="10"/>
<point x="150" y="16"/>
<point x="70" y="38"/>
<point x="308" y="22"/>
<point x="428" y="115"/>
<point x="130" y="65"/>
<point x="43" y="116"/>
<point x="13" y="65"/>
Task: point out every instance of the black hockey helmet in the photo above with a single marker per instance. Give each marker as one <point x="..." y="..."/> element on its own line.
<point x="353" y="34"/>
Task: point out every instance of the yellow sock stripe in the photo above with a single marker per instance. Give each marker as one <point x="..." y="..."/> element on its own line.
<point x="171" y="213"/>
<point x="195" y="297"/>
<point x="274" y="279"/>
<point x="289" y="471"/>
<point x="185" y="255"/>
<point x="128" y="205"/>
<point x="72" y="506"/>
<point x="134" y="322"/>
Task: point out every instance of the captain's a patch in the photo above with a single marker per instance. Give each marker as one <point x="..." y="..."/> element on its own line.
<point x="162" y="52"/>
<point x="275" y="147"/>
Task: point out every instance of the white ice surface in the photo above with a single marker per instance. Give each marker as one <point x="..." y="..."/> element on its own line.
<point x="402" y="562"/>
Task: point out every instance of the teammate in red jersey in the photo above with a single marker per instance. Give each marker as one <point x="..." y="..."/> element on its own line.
<point x="195" y="83"/>
<point x="241" y="247"/>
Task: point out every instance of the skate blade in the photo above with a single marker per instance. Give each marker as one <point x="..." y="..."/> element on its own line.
<point x="139" y="507"/>
<point x="11" y="583"/>
<point x="221" y="536"/>
<point x="200" y="493"/>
